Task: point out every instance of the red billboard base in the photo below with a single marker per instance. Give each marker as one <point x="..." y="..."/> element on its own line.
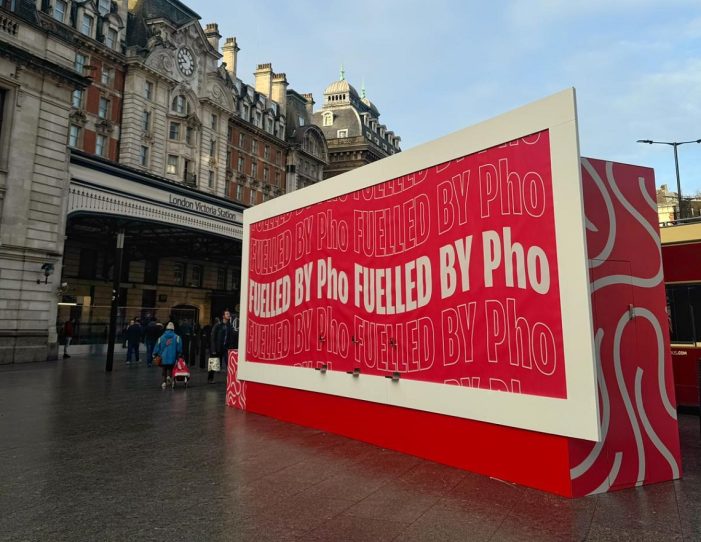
<point x="639" y="441"/>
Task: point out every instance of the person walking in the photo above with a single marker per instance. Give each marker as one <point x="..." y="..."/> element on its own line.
<point x="169" y="346"/>
<point x="133" y="339"/>
<point x="68" y="331"/>
<point x="154" y="329"/>
<point x="223" y="339"/>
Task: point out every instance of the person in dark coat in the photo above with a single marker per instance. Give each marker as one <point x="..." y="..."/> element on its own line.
<point x="224" y="338"/>
<point x="154" y="329"/>
<point x="133" y="339"/>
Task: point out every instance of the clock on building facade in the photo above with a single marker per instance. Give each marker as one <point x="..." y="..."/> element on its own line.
<point x="186" y="62"/>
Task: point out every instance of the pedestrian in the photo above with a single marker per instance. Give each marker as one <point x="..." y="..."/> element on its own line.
<point x="169" y="347"/>
<point x="68" y="330"/>
<point x="133" y="335"/>
<point x="223" y="339"/>
<point x="154" y="329"/>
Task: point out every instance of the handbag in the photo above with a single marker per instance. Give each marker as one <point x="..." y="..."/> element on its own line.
<point x="214" y="364"/>
<point x="157" y="360"/>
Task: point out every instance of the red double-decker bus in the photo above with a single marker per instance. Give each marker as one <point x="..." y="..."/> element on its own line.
<point x="681" y="256"/>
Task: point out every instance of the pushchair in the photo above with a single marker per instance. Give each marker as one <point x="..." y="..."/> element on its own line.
<point x="181" y="373"/>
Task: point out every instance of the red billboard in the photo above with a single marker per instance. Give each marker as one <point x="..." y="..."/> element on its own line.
<point x="446" y="275"/>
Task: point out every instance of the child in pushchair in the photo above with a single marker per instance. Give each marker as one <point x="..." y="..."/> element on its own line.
<point x="181" y="373"/>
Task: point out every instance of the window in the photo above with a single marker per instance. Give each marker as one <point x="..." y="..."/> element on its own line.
<point x="112" y="38"/>
<point x="101" y="145"/>
<point x="196" y="276"/>
<point x="277" y="178"/>
<point x="242" y="141"/>
<point x="189" y="135"/>
<point x="213" y="148"/>
<point x="252" y="197"/>
<point x="266" y="152"/>
<point x="328" y="119"/>
<point x="300" y="121"/>
<point x="239" y="192"/>
<point x="254" y="147"/>
<point x="80" y="62"/>
<point x="151" y="271"/>
<point x="269" y="125"/>
<point x="278" y="156"/>
<point x="103" y="7"/>
<point x="103" y="111"/>
<point x="222" y="273"/>
<point x="148" y="90"/>
<point x="266" y="174"/>
<point x="229" y="134"/>
<point x="107" y="76"/>
<point x="87" y="24"/>
<point x="172" y="164"/>
<point x="211" y="179"/>
<point x="144" y="156"/>
<point x="179" y="274"/>
<point x="174" y="132"/>
<point x="342" y="133"/>
<point x="254" y="169"/>
<point x="214" y="122"/>
<point x="259" y="119"/>
<point x="77" y="99"/>
<point x="146" y="121"/>
<point x="684" y="309"/>
<point x="240" y="164"/>
<point x="60" y="10"/>
<point x="74" y="136"/>
<point x="180" y="105"/>
<point x="245" y="111"/>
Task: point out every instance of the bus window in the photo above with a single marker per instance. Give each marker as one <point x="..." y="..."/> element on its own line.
<point x="684" y="308"/>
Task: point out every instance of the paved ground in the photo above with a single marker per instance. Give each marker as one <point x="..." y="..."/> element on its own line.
<point x="90" y="456"/>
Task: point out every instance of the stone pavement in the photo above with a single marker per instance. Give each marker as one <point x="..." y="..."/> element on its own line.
<point x="90" y="456"/>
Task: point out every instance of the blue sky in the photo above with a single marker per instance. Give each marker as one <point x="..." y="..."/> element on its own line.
<point x="436" y="67"/>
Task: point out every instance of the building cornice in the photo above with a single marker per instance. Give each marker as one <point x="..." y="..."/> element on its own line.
<point x="42" y="65"/>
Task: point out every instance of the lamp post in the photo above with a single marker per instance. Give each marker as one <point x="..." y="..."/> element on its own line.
<point x="673" y="144"/>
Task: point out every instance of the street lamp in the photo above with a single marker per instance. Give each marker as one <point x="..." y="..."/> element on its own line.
<point x="674" y="144"/>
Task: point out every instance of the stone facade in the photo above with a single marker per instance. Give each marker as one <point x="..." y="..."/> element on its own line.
<point x="350" y="123"/>
<point x="308" y="154"/>
<point x="37" y="79"/>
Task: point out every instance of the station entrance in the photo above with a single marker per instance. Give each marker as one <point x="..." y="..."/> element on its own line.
<point x="177" y="252"/>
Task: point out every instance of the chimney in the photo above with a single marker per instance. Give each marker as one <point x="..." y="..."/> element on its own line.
<point x="213" y="35"/>
<point x="279" y="91"/>
<point x="230" y="51"/>
<point x="264" y="79"/>
<point x="310" y="103"/>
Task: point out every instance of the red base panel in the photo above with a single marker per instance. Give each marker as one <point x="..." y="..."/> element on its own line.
<point x="525" y="457"/>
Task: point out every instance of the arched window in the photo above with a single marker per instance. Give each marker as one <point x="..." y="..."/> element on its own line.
<point x="328" y="119"/>
<point x="181" y="105"/>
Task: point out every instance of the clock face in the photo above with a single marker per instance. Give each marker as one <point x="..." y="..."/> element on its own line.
<point x="186" y="61"/>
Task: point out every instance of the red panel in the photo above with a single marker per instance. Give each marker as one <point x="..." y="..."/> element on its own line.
<point x="424" y="274"/>
<point x="686" y="375"/>
<point x="525" y="457"/>
<point x="682" y="262"/>
<point x="640" y="440"/>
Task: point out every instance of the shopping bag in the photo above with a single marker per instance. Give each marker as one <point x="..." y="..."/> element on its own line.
<point x="157" y="359"/>
<point x="214" y="364"/>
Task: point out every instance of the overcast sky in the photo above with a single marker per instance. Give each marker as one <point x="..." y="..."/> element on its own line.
<point x="437" y="66"/>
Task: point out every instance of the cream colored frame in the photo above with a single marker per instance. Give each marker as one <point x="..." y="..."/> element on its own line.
<point x="575" y="416"/>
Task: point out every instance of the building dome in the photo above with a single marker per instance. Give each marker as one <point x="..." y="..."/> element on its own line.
<point x="373" y="110"/>
<point x="341" y="87"/>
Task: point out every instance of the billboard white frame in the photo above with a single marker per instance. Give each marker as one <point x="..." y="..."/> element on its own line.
<point x="577" y="415"/>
